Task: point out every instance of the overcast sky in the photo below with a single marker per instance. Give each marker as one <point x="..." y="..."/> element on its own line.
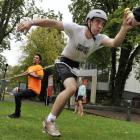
<point x="14" y="54"/>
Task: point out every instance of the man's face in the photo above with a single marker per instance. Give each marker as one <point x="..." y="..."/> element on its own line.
<point x="36" y="59"/>
<point x="97" y="25"/>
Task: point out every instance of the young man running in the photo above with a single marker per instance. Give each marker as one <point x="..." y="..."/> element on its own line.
<point x="83" y="40"/>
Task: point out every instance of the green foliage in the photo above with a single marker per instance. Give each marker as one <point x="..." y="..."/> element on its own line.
<point x="10" y="15"/>
<point x="101" y="58"/>
<point x="47" y="42"/>
<point x="11" y="12"/>
<point x="114" y="23"/>
<point x="2" y="63"/>
<point x="15" y="70"/>
<point x="79" y="9"/>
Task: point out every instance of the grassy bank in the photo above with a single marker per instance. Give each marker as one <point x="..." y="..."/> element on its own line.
<point x="72" y="127"/>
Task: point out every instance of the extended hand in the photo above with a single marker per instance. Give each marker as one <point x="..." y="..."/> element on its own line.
<point x="128" y="19"/>
<point x="24" y="26"/>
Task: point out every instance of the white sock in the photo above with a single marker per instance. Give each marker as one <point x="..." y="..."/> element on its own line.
<point x="51" y="117"/>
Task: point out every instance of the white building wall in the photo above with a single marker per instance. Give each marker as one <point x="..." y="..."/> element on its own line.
<point x="132" y="84"/>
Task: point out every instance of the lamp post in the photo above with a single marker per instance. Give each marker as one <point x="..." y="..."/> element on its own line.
<point x="5" y="70"/>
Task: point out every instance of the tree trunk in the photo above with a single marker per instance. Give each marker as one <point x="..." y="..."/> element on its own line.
<point x="113" y="70"/>
<point x="121" y="77"/>
<point x="125" y="67"/>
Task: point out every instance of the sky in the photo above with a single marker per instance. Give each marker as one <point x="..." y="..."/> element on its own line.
<point x="15" y="53"/>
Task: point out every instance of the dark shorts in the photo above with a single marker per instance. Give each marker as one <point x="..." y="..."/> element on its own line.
<point x="80" y="98"/>
<point x="64" y="69"/>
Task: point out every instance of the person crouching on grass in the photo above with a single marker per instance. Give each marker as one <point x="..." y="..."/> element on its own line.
<point x="35" y="74"/>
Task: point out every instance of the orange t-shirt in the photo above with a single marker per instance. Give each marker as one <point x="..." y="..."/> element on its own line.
<point x="34" y="83"/>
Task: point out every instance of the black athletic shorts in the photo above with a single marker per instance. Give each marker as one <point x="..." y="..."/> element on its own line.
<point x="64" y="69"/>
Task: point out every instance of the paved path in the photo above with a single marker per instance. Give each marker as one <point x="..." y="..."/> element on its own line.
<point x="113" y="114"/>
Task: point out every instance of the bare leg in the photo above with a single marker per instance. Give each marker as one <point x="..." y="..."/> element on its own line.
<point x="76" y="107"/>
<point x="70" y="85"/>
<point x="80" y="108"/>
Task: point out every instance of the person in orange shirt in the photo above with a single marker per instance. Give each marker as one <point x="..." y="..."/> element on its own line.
<point x="35" y="75"/>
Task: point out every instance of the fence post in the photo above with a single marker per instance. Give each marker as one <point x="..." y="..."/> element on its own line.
<point x="129" y="105"/>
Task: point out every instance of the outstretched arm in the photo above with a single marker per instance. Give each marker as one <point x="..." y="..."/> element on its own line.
<point x="26" y="25"/>
<point x="117" y="41"/>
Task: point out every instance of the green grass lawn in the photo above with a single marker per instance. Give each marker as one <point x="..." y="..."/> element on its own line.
<point x="72" y="126"/>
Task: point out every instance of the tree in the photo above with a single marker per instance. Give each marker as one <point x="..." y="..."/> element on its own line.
<point x="2" y="62"/>
<point x="13" y="71"/>
<point x="130" y="48"/>
<point x="128" y="52"/>
<point x="45" y="41"/>
<point x="48" y="42"/>
<point x="11" y="11"/>
<point x="8" y="19"/>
